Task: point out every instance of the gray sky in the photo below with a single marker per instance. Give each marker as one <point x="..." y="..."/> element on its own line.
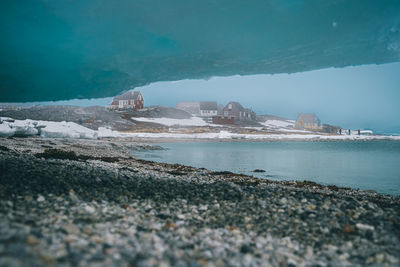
<point x="353" y="97"/>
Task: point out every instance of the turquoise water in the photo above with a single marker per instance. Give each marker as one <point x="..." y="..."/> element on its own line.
<point x="371" y="165"/>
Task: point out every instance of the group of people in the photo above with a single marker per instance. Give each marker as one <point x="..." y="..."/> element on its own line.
<point x="349" y="132"/>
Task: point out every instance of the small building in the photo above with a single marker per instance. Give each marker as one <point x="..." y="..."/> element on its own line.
<point x="129" y="100"/>
<point x="236" y="110"/>
<point x="192" y="108"/>
<point x="308" y="121"/>
<point x="208" y="109"/>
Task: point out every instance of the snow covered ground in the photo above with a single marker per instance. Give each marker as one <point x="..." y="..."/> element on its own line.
<point x="278" y="124"/>
<point x="282" y="126"/>
<point x="50" y="129"/>
<point x="193" y="121"/>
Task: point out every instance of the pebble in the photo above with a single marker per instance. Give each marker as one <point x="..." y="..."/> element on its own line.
<point x="140" y="215"/>
<point x="365" y="227"/>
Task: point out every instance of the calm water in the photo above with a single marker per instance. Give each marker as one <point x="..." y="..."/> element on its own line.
<point x="365" y="165"/>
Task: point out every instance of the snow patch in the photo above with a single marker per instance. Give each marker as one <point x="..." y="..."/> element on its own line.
<point x="278" y="124"/>
<point x="193" y="121"/>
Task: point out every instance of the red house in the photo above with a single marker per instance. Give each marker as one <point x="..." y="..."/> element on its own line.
<point x="130" y="99"/>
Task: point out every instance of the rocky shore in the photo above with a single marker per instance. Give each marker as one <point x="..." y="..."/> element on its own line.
<point x="89" y="202"/>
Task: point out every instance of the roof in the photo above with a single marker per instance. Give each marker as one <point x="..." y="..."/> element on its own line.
<point x="308" y="118"/>
<point x="237" y="105"/>
<point x="208" y="105"/>
<point x="128" y="95"/>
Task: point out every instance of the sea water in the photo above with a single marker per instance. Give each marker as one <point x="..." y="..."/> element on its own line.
<point x="368" y="165"/>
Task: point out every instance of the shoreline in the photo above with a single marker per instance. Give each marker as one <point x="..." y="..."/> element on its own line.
<point x="211" y="140"/>
<point x="99" y="205"/>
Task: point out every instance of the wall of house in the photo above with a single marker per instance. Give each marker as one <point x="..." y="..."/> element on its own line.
<point x="223" y="120"/>
<point x="208" y="113"/>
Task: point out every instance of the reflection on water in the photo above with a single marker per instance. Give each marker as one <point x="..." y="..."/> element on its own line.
<point x="365" y="165"/>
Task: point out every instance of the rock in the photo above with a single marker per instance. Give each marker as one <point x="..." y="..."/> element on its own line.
<point x="348" y="229"/>
<point x="87" y="230"/>
<point x="71" y="229"/>
<point x="89" y="209"/>
<point x="32" y="240"/>
<point x="365" y="227"/>
<point x="40" y="198"/>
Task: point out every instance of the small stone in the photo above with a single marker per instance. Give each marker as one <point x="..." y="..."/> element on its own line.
<point x="40" y="198"/>
<point x="311" y="207"/>
<point x="48" y="259"/>
<point x="73" y="196"/>
<point x="28" y="198"/>
<point x="171" y="226"/>
<point x="70" y="239"/>
<point x="97" y="239"/>
<point x="87" y="230"/>
<point x="71" y="229"/>
<point x="380" y="257"/>
<point x="365" y="227"/>
<point x="203" y="207"/>
<point x="32" y="240"/>
<point x="348" y="229"/>
<point x="89" y="209"/>
<point x="283" y="200"/>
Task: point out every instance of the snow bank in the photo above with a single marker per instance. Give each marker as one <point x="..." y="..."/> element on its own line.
<point x="193" y="121"/>
<point x="103" y="132"/>
<point x="51" y="129"/>
<point x="65" y="130"/>
<point x="277" y="124"/>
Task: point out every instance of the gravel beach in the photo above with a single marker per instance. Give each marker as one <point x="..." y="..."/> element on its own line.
<point x="90" y="203"/>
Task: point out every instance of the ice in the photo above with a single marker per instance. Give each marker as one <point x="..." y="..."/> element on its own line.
<point x="97" y="48"/>
<point x="45" y="129"/>
<point x="25" y="127"/>
<point x="6" y="130"/>
<point x="65" y="130"/>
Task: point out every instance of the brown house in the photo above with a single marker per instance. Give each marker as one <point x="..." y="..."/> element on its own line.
<point x="308" y="121"/>
<point x="236" y="110"/>
<point x="130" y="99"/>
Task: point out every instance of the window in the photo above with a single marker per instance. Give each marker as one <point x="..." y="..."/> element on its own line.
<point x="230" y="106"/>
